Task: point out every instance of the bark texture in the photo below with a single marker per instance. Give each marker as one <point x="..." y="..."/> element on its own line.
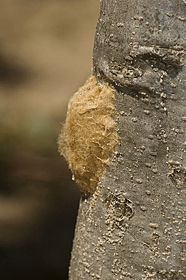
<point x="133" y="226"/>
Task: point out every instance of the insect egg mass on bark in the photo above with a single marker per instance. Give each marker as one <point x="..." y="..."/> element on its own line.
<point x="89" y="134"/>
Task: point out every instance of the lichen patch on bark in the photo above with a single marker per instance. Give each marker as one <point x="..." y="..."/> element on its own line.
<point x="89" y="134"/>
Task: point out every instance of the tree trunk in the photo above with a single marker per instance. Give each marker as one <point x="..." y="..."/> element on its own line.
<point x="133" y="226"/>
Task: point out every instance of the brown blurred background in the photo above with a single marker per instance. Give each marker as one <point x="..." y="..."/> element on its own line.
<point x="45" y="55"/>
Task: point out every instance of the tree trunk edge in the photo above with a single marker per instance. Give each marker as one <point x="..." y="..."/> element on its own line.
<point x="133" y="226"/>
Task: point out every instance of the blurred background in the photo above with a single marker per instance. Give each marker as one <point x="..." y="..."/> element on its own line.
<point x="45" y="55"/>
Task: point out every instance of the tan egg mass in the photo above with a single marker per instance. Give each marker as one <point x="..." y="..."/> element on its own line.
<point x="89" y="134"/>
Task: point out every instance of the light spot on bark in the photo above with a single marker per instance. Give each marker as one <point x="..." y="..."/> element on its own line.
<point x="153" y="225"/>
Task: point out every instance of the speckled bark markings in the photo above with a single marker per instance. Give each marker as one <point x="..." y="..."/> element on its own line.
<point x="134" y="227"/>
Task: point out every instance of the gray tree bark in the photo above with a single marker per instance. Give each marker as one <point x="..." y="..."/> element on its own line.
<point x="133" y="226"/>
